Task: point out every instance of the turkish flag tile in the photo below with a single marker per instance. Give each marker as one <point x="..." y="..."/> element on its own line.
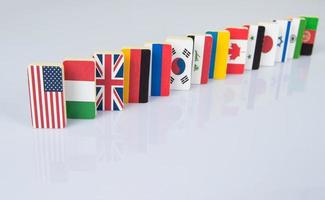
<point x="237" y="50"/>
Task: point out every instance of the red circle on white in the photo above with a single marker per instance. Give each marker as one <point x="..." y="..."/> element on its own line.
<point x="267" y="44"/>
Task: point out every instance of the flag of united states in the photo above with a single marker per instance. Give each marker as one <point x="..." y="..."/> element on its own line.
<point x="46" y="96"/>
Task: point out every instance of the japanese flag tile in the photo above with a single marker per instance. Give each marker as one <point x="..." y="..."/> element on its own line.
<point x="269" y="43"/>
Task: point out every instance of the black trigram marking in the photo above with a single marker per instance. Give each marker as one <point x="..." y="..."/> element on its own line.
<point x="184" y="79"/>
<point x="171" y="80"/>
<point x="173" y="51"/>
<point x="186" y="53"/>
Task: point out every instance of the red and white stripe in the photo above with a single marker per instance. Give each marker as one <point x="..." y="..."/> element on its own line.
<point x="47" y="108"/>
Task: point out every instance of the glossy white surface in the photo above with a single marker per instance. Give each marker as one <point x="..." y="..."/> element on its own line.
<point x="256" y="136"/>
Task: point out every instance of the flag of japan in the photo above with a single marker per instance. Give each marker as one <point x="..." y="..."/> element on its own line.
<point x="269" y="43"/>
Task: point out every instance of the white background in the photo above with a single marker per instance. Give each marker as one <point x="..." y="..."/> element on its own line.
<point x="258" y="136"/>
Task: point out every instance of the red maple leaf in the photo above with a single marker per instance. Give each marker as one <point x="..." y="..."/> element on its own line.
<point x="234" y="51"/>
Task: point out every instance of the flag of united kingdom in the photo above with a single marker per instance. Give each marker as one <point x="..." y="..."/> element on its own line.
<point x="109" y="81"/>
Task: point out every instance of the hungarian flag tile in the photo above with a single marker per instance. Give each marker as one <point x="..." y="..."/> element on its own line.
<point x="80" y="88"/>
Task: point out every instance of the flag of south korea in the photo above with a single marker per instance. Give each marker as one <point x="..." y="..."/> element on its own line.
<point x="182" y="50"/>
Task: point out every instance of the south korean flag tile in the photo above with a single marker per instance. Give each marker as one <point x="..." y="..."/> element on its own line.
<point x="182" y="50"/>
